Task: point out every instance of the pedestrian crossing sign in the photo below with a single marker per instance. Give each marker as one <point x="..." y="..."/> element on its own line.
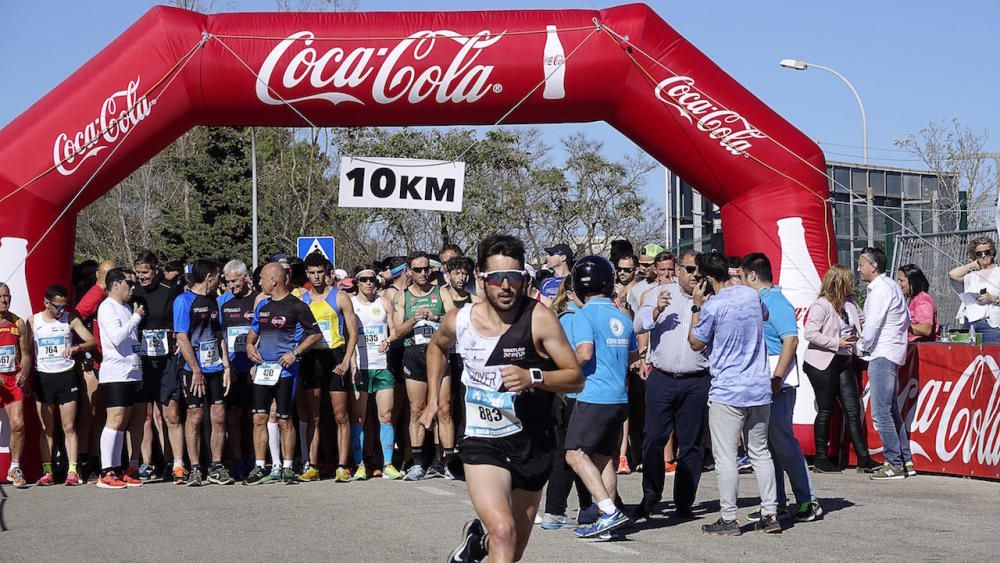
<point x="325" y="245"/>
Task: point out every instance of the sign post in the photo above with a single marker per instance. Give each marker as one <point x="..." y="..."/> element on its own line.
<point x="325" y="245"/>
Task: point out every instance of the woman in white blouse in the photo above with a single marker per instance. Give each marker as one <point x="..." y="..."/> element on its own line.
<point x="981" y="279"/>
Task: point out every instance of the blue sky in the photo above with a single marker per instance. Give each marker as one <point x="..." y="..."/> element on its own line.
<point x="912" y="62"/>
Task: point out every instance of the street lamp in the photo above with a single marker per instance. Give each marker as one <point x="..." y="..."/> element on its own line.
<point x="803" y="65"/>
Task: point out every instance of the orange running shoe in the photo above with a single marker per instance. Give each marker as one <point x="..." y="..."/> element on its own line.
<point x="623" y="468"/>
<point x="180" y="475"/>
<point x="669" y="467"/>
<point x="110" y="481"/>
<point x="131" y="477"/>
<point x="73" y="479"/>
<point x="46" y="480"/>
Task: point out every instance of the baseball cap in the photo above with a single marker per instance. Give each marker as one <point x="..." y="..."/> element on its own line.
<point x="650" y="250"/>
<point x="561" y="249"/>
<point x="281" y="258"/>
<point x="340" y="274"/>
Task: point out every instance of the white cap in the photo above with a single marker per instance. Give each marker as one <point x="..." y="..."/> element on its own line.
<point x="340" y="274"/>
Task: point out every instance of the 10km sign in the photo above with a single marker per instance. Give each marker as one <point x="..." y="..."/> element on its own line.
<point x="401" y="183"/>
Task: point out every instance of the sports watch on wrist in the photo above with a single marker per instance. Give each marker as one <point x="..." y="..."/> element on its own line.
<point x="536" y="376"/>
<point x="695" y="308"/>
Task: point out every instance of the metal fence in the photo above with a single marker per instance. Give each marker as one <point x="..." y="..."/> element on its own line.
<point x="936" y="254"/>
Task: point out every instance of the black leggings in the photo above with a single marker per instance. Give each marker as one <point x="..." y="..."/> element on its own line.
<point x="562" y="478"/>
<point x="838" y="382"/>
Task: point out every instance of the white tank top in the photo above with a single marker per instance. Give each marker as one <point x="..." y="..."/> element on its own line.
<point x="51" y="339"/>
<point x="373" y="329"/>
<point x="489" y="411"/>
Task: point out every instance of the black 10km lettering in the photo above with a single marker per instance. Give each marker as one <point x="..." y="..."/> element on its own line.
<point x="383" y="184"/>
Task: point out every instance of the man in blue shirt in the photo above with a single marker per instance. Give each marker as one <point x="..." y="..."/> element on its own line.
<point x="204" y="368"/>
<point x="781" y="336"/>
<point x="605" y="347"/>
<point x="559" y="260"/>
<point x="730" y="326"/>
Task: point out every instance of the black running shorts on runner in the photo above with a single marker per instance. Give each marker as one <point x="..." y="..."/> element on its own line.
<point x="395" y="363"/>
<point x="529" y="464"/>
<point x="316" y="369"/>
<point x="154" y="369"/>
<point x="214" y="390"/>
<point x="596" y="429"/>
<point x="415" y="362"/>
<point x="281" y="393"/>
<point x="56" y="388"/>
<point x="119" y="393"/>
<point x="170" y="386"/>
<point x="239" y="391"/>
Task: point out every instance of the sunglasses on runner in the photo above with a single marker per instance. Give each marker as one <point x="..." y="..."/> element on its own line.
<point x="421" y="270"/>
<point x="626" y="270"/>
<point x="515" y="278"/>
<point x="688" y="269"/>
<point x="984" y="253"/>
<point x="366" y="279"/>
<point x="58" y="308"/>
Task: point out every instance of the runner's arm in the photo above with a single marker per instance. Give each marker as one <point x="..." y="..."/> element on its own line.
<point x="403" y="327"/>
<point x="88" y="340"/>
<point x="448" y="301"/>
<point x="25" y="346"/>
<point x="350" y="326"/>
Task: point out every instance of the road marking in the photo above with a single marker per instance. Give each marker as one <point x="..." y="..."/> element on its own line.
<point x="435" y="491"/>
<point x="613" y="548"/>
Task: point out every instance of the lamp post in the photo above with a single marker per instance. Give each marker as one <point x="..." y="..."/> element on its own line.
<point x="803" y="65"/>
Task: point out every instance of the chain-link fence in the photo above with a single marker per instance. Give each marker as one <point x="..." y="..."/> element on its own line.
<point x="936" y="254"/>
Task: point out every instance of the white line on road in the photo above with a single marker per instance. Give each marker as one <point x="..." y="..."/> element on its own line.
<point x="612" y="548"/>
<point x="435" y="491"/>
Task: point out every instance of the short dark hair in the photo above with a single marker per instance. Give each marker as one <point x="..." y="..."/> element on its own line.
<point x="416" y="254"/>
<point x="174" y="266"/>
<point x="148" y="258"/>
<point x="916" y="278"/>
<point x="621" y="248"/>
<point x="54" y="291"/>
<point x="315" y="259"/>
<point x="664" y="256"/>
<point x="460" y="263"/>
<point x="758" y="263"/>
<point x="690" y="252"/>
<point x="877" y="255"/>
<point x="714" y="265"/>
<point x="502" y="245"/>
<point x="632" y="257"/>
<point x="395" y="262"/>
<point x="202" y="268"/>
<point x="453" y="248"/>
<point x="116" y="275"/>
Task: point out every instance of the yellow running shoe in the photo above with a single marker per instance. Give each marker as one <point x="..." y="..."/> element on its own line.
<point x="390" y="472"/>
<point x="343" y="475"/>
<point x="360" y="474"/>
<point x="310" y="474"/>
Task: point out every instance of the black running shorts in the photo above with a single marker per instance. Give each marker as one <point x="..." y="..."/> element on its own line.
<point x="56" y="388"/>
<point x="528" y="462"/>
<point x="316" y="370"/>
<point x="214" y="390"/>
<point x="119" y="393"/>
<point x="596" y="429"/>
<point x="281" y="393"/>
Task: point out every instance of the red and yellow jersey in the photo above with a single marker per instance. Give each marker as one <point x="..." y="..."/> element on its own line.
<point x="10" y="345"/>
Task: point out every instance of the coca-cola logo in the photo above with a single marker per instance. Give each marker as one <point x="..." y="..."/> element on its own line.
<point x="729" y="128"/>
<point x="120" y="112"/>
<point x="339" y="74"/>
<point x="943" y="410"/>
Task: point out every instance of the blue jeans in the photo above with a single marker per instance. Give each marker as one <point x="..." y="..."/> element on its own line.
<point x="786" y="451"/>
<point x="990" y="335"/>
<point x="884" y="387"/>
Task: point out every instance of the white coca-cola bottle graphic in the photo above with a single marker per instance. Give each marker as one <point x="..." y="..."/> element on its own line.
<point x="800" y="284"/>
<point x="13" y="252"/>
<point x="554" y="64"/>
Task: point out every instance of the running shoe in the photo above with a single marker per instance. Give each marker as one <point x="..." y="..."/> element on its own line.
<point x="538" y="519"/>
<point x="258" y="476"/>
<point x="588" y="515"/>
<point x="288" y="476"/>
<point x="743" y="464"/>
<point x="147" y="472"/>
<point x="669" y="467"/>
<point x="436" y="470"/>
<point x="623" y="468"/>
<point x="219" y="475"/>
<point x="910" y="470"/>
<point x="390" y="472"/>
<point x="448" y="475"/>
<point x="310" y="474"/>
<point x="471" y="547"/>
<point x="110" y="481"/>
<point x="415" y="473"/>
<point x="555" y="522"/>
<point x="755" y="515"/>
<point x="131" y="477"/>
<point x="708" y="463"/>
<point x="180" y="475"/>
<point x="46" y="480"/>
<point x="722" y="527"/>
<point x="195" y="478"/>
<point x="809" y="511"/>
<point x="73" y="479"/>
<point x="275" y="473"/>
<point x="888" y="473"/>
<point x="768" y="524"/>
<point x="605" y="523"/>
<point x="360" y="474"/>
<point x="342" y="475"/>
<point x="376" y="473"/>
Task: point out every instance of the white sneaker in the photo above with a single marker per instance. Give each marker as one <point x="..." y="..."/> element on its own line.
<point x="415" y="473"/>
<point x="538" y="518"/>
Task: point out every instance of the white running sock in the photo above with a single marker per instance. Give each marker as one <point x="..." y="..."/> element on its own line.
<point x="274" y="442"/>
<point x="304" y="442"/>
<point x="107" y="448"/>
<point x="259" y="463"/>
<point x="607" y="506"/>
<point x="287" y="464"/>
<point x="14" y="465"/>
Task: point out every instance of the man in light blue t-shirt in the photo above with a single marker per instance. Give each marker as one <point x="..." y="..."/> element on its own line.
<point x="781" y="336"/>
<point x="730" y="326"/>
<point x="605" y="347"/>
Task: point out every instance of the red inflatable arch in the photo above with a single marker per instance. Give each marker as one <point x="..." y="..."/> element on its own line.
<point x="175" y="69"/>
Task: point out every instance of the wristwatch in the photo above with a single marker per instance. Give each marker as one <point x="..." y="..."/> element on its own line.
<point x="695" y="308"/>
<point x="536" y="376"/>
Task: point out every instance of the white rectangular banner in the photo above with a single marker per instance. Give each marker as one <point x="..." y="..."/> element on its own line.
<point x="401" y="183"/>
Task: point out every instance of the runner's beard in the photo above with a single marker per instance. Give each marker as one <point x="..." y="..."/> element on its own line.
<point x="495" y="302"/>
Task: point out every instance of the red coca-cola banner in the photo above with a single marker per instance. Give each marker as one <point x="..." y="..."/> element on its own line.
<point x="949" y="396"/>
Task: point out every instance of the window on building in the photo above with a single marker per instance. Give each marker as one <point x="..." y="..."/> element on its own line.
<point x="911" y="186"/>
<point x="893" y="184"/>
<point x="841" y="179"/>
<point x="876" y="178"/>
<point x="859" y="182"/>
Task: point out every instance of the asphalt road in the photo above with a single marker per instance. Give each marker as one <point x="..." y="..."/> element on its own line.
<point x="918" y="519"/>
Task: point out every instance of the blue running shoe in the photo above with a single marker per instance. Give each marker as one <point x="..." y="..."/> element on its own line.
<point x="605" y="523"/>
<point x="588" y="515"/>
<point x="743" y="464"/>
